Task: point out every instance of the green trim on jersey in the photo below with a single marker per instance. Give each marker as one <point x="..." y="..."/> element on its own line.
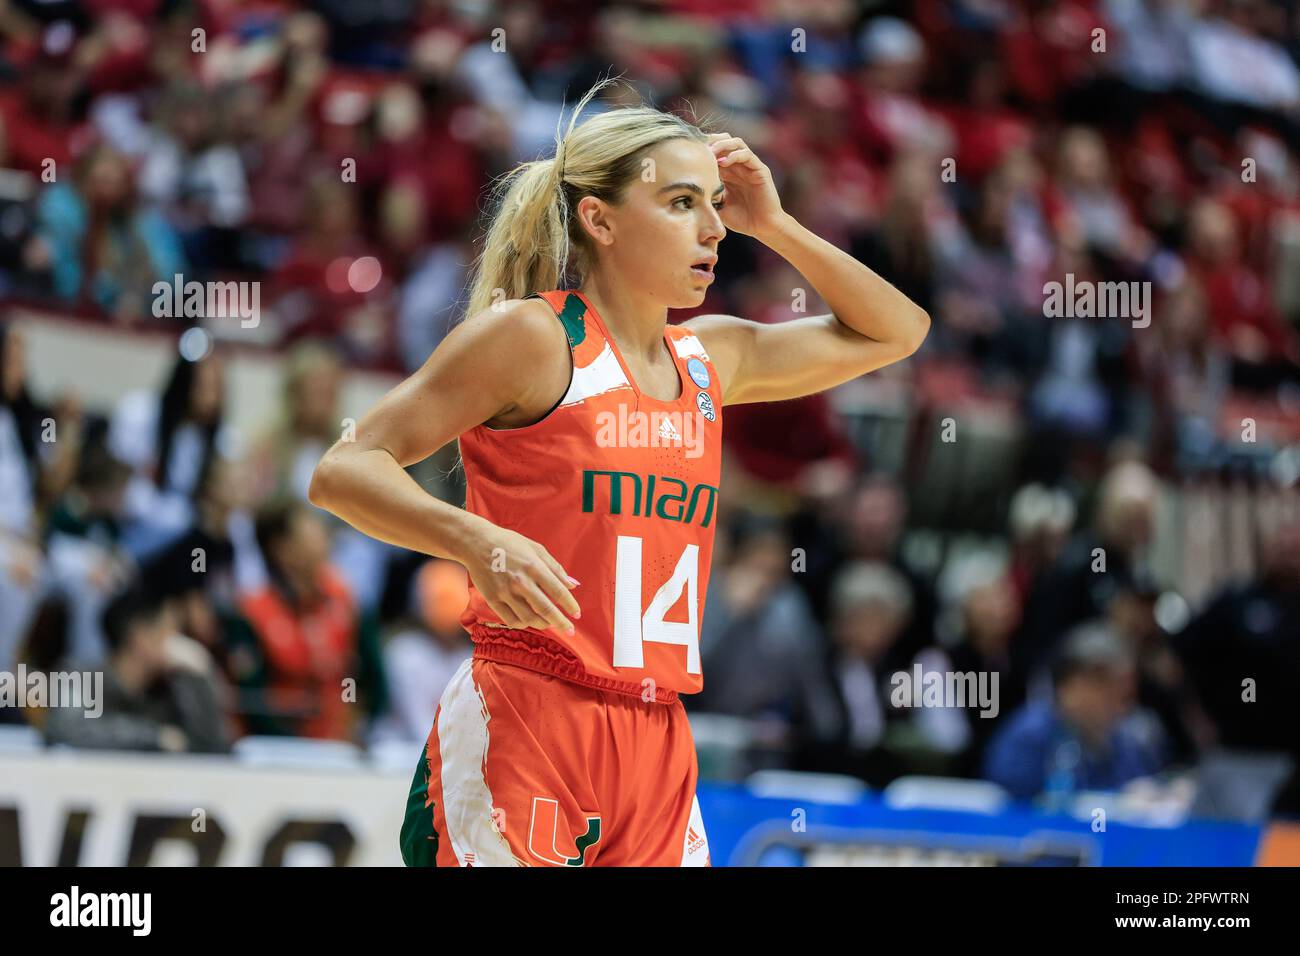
<point x="573" y="320"/>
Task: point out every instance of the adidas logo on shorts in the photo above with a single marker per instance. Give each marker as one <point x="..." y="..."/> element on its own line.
<point x="694" y="841"/>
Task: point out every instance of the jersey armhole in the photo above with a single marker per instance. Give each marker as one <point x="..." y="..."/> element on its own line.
<point x="559" y="401"/>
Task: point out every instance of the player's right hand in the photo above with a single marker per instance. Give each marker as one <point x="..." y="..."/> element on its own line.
<point x="521" y="582"/>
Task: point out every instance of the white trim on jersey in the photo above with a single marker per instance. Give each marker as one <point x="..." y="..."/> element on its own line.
<point x="605" y="374"/>
<point x="689" y="346"/>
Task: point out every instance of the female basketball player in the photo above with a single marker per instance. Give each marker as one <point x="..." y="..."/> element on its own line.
<point x="590" y="431"/>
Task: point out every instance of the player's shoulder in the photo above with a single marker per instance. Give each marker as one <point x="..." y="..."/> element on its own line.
<point x="510" y="329"/>
<point x="718" y="328"/>
<point x="726" y="338"/>
<point x="520" y="321"/>
<point x="711" y="320"/>
<point x="519" y="347"/>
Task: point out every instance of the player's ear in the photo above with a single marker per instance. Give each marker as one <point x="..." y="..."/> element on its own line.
<point x="594" y="216"/>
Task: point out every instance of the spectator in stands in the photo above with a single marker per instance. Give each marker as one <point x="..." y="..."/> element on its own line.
<point x="87" y="562"/>
<point x="1040" y="520"/>
<point x="270" y="124"/>
<point x="1098" y="214"/>
<point x="1161" y="686"/>
<point x="158" y="693"/>
<point x="35" y="468"/>
<point x="196" y="571"/>
<point x="1152" y="54"/>
<point x="420" y="660"/>
<point x="846" y="518"/>
<point x="760" y="645"/>
<point x="195" y="177"/>
<point x="1070" y="405"/>
<point x="318" y="289"/>
<point x="1245" y="319"/>
<point x="38" y="443"/>
<point x="39" y="117"/>
<point x="1243" y="657"/>
<point x="983" y="310"/>
<point x="873" y="531"/>
<point x="1233" y="62"/>
<point x="310" y="420"/>
<point x="980" y="619"/>
<point x="315" y="668"/>
<point x="871" y="604"/>
<point x="1187" y="378"/>
<point x="778" y="444"/>
<point x="1079" y="737"/>
<point x="891" y="116"/>
<point x="901" y="244"/>
<point x="104" y="250"/>
<point x="1081" y="584"/>
<point x="169" y="440"/>
<point x="499" y="78"/>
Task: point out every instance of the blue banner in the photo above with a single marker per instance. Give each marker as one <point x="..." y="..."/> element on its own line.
<point x="748" y="830"/>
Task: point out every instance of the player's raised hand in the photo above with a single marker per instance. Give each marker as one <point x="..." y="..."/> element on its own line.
<point x="521" y="582"/>
<point x="753" y="206"/>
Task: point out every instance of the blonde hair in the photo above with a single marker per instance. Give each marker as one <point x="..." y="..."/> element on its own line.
<point x="534" y="241"/>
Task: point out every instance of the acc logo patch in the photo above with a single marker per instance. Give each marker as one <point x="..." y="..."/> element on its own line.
<point x="706" y="406"/>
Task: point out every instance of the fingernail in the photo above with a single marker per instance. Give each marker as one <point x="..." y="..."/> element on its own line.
<point x="573" y="582"/>
<point x="577" y="614"/>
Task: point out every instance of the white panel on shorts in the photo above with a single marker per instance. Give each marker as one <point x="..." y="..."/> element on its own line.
<point x="466" y="800"/>
<point x="695" y="842"/>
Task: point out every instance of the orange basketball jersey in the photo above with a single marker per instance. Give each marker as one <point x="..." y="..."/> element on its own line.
<point x="622" y="489"/>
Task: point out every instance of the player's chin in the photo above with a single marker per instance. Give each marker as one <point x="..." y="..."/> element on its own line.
<point x="693" y="294"/>
<point x="691" y="300"/>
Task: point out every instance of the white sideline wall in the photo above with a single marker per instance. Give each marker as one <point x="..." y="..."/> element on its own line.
<point x="102" y="363"/>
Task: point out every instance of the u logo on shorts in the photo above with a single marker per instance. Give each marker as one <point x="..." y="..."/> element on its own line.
<point x="543" y="834"/>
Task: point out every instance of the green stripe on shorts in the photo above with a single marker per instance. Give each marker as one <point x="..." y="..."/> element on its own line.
<point x="419" y="839"/>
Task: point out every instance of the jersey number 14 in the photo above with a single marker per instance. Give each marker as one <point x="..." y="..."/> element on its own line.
<point x="632" y="628"/>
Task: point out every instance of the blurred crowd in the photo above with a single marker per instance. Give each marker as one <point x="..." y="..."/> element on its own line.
<point x="970" y="151"/>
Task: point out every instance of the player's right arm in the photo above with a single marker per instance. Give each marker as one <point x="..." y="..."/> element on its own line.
<point x="503" y="367"/>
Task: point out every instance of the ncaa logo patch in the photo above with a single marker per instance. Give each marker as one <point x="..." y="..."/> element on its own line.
<point x="699" y="372"/>
<point x="706" y="405"/>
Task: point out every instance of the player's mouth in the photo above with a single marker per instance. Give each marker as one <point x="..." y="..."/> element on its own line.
<point x="703" y="269"/>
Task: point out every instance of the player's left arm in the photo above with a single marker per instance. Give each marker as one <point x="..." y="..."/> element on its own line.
<point x="871" y="324"/>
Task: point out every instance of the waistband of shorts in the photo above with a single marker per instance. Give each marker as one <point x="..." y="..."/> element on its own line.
<point x="538" y="653"/>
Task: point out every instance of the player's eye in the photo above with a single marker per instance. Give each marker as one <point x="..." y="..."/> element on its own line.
<point x="685" y="199"/>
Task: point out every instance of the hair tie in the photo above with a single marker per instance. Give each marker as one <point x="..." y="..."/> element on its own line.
<point x="557" y="169"/>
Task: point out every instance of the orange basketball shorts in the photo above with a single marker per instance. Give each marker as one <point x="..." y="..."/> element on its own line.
<point x="527" y="769"/>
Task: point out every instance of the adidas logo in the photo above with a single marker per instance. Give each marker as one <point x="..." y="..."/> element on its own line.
<point x="668" y="430"/>
<point x="694" y="841"/>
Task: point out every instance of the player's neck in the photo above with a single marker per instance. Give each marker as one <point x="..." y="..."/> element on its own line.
<point x="636" y="321"/>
